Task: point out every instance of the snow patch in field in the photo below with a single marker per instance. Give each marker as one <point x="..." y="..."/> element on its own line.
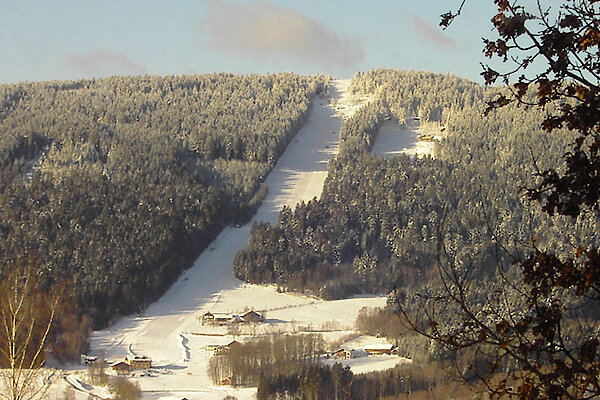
<point x="394" y="139"/>
<point x="363" y="341"/>
<point x="363" y="365"/>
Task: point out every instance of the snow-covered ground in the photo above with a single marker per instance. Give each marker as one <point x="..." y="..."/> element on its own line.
<point x="169" y="331"/>
<point x="346" y="105"/>
<point x="395" y="139"/>
<point x="362" y="365"/>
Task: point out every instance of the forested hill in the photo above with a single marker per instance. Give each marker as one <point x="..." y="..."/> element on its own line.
<point x="117" y="184"/>
<point x="379" y="220"/>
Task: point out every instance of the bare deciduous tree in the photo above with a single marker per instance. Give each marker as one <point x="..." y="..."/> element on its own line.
<point x="27" y="315"/>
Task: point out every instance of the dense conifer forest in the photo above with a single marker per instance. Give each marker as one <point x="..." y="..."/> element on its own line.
<point x="116" y="185"/>
<point x="384" y="224"/>
<point x="379" y="221"/>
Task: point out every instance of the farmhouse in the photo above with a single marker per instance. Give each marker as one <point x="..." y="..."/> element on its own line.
<point x="347" y="354"/>
<point x="120" y="367"/>
<point x="380" y="349"/>
<point x="139" y="362"/>
<point x="252" y="316"/>
<point x="343" y="354"/>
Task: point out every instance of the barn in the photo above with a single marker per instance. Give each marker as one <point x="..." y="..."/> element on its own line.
<point x="252" y="316"/>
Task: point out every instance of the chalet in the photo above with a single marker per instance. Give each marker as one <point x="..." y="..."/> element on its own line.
<point x="344" y="354"/>
<point x="139" y="362"/>
<point x="380" y="349"/>
<point x="341" y="353"/>
<point x="252" y="316"/>
<point x="120" y="367"/>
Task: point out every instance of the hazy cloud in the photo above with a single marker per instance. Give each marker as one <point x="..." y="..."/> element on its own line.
<point x="432" y="33"/>
<point x="265" y="30"/>
<point x="99" y="62"/>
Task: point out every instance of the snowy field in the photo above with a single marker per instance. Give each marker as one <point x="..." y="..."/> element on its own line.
<point x="170" y="332"/>
<point x="395" y="139"/>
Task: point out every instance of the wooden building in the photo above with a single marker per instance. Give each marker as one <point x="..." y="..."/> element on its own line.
<point x="252" y="316"/>
<point x="139" y="362"/>
<point x="120" y="367"/>
<point x="344" y="354"/>
<point x="378" y="350"/>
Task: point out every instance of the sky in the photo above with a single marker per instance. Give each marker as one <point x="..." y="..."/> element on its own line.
<point x="75" y="39"/>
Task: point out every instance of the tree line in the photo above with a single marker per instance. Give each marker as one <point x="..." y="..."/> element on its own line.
<point x="320" y="382"/>
<point x="244" y="363"/>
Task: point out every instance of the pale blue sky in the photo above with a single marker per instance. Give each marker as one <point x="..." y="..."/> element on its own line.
<point x="71" y="39"/>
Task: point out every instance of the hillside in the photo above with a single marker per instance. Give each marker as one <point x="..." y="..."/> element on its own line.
<point x="378" y="223"/>
<point x="210" y="284"/>
<point x="118" y="184"/>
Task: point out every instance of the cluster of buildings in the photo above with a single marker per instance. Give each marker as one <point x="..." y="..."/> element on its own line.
<point x="225" y="318"/>
<point x="124" y="366"/>
<point x="375" y="350"/>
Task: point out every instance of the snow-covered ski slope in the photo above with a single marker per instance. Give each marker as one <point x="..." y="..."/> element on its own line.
<point x="168" y="330"/>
